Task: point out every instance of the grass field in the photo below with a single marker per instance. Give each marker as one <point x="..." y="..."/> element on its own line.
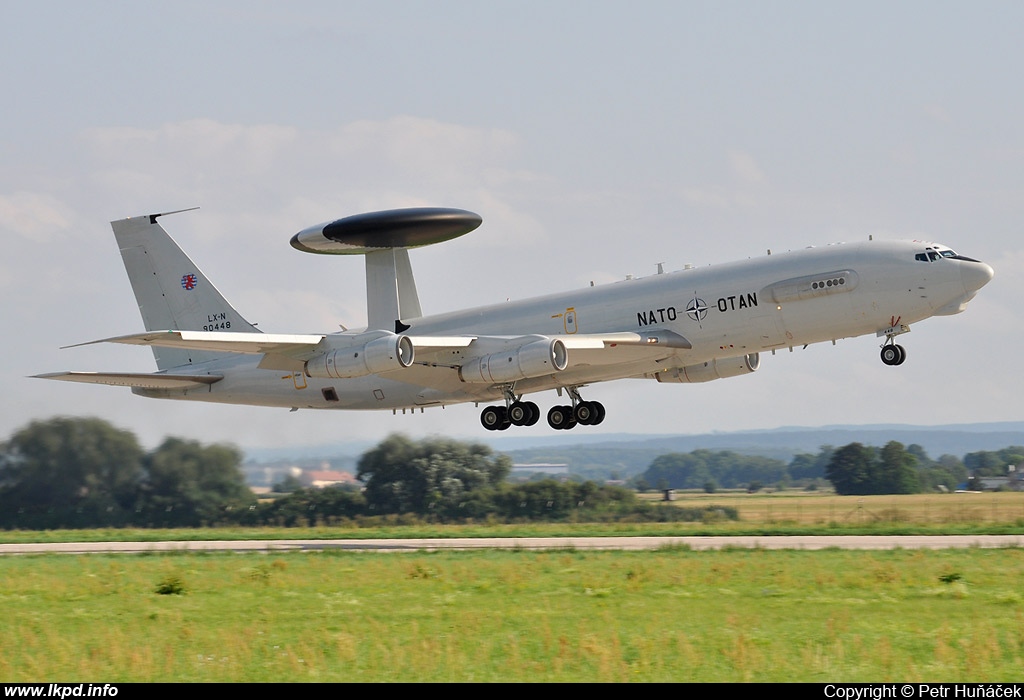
<point x="672" y="615"/>
<point x="667" y="615"/>
<point x="826" y="508"/>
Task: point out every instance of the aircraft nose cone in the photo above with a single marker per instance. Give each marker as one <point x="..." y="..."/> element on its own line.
<point x="976" y="275"/>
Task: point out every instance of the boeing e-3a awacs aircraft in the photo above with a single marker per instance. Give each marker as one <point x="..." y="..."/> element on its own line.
<point x="693" y="325"/>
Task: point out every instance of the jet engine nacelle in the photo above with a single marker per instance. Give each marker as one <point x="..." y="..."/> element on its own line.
<point x="530" y="360"/>
<point x="713" y="369"/>
<point x="379" y="355"/>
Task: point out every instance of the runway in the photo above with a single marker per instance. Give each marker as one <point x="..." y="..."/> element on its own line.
<point x="797" y="542"/>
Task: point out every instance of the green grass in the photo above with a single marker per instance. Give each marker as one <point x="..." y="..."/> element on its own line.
<point x="520" y="531"/>
<point x="668" y="615"/>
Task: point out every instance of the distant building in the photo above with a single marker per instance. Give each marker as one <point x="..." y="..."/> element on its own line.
<point x="323" y="478"/>
<point x="1013" y="482"/>
<point x="526" y="470"/>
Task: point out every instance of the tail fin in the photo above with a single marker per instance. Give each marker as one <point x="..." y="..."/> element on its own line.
<point x="172" y="293"/>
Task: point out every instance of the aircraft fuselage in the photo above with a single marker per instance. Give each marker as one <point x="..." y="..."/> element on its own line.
<point x="722" y="311"/>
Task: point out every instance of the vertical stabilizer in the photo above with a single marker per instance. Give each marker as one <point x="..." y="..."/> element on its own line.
<point x="172" y="293"/>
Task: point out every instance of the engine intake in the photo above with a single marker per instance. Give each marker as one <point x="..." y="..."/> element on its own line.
<point x="714" y="369"/>
<point x="379" y="355"/>
<point x="530" y="360"/>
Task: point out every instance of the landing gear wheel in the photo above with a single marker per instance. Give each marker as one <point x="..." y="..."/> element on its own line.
<point x="522" y="412"/>
<point x="586" y="412"/>
<point x="599" y="418"/>
<point x="561" y="418"/>
<point x="893" y="354"/>
<point x="534" y="413"/>
<point x="494" y="418"/>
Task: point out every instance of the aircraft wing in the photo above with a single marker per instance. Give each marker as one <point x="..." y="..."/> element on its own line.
<point x="280" y="351"/>
<point x="587" y="341"/>
<point x="142" y="380"/>
<point x="247" y="343"/>
<point x="584" y="351"/>
<point x="289" y="352"/>
<point x="299" y="345"/>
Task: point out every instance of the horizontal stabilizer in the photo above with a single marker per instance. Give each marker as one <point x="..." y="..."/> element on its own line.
<point x="143" y="381"/>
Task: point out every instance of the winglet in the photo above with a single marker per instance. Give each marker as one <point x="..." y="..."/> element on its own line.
<point x="154" y="217"/>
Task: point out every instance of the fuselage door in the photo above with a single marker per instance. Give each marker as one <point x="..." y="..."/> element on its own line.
<point x="569" y="320"/>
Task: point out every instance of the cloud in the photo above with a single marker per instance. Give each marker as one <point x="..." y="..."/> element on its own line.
<point x="307" y="175"/>
<point x="937" y="113"/>
<point x="401" y="148"/>
<point x="425" y="146"/>
<point x="745" y="167"/>
<point x="245" y="148"/>
<point x="35" y="216"/>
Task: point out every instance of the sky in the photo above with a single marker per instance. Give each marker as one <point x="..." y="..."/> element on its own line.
<point x="596" y="140"/>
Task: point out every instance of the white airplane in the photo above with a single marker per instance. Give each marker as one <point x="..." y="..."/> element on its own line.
<point x="693" y="325"/>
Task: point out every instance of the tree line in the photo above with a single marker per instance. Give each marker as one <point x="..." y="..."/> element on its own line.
<point x="853" y="469"/>
<point x="84" y="472"/>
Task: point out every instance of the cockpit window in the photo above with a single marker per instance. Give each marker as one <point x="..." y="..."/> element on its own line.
<point x="933" y="254"/>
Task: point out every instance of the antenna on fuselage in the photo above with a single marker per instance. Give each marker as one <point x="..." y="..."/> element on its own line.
<point x="384" y="238"/>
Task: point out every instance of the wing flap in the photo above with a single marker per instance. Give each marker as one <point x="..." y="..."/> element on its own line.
<point x="134" y="379"/>
<point x="440" y="342"/>
<point x="599" y="341"/>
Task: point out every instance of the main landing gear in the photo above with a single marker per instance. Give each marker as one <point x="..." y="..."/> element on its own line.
<point x="516" y="413"/>
<point x="519" y="412"/>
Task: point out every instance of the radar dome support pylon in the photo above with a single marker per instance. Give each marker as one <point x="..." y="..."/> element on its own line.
<point x="384" y="238"/>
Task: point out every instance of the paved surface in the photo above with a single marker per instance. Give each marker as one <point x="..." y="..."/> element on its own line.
<point x="533" y="543"/>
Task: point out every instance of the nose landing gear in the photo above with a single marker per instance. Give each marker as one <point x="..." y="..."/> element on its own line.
<point x="893" y="354"/>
